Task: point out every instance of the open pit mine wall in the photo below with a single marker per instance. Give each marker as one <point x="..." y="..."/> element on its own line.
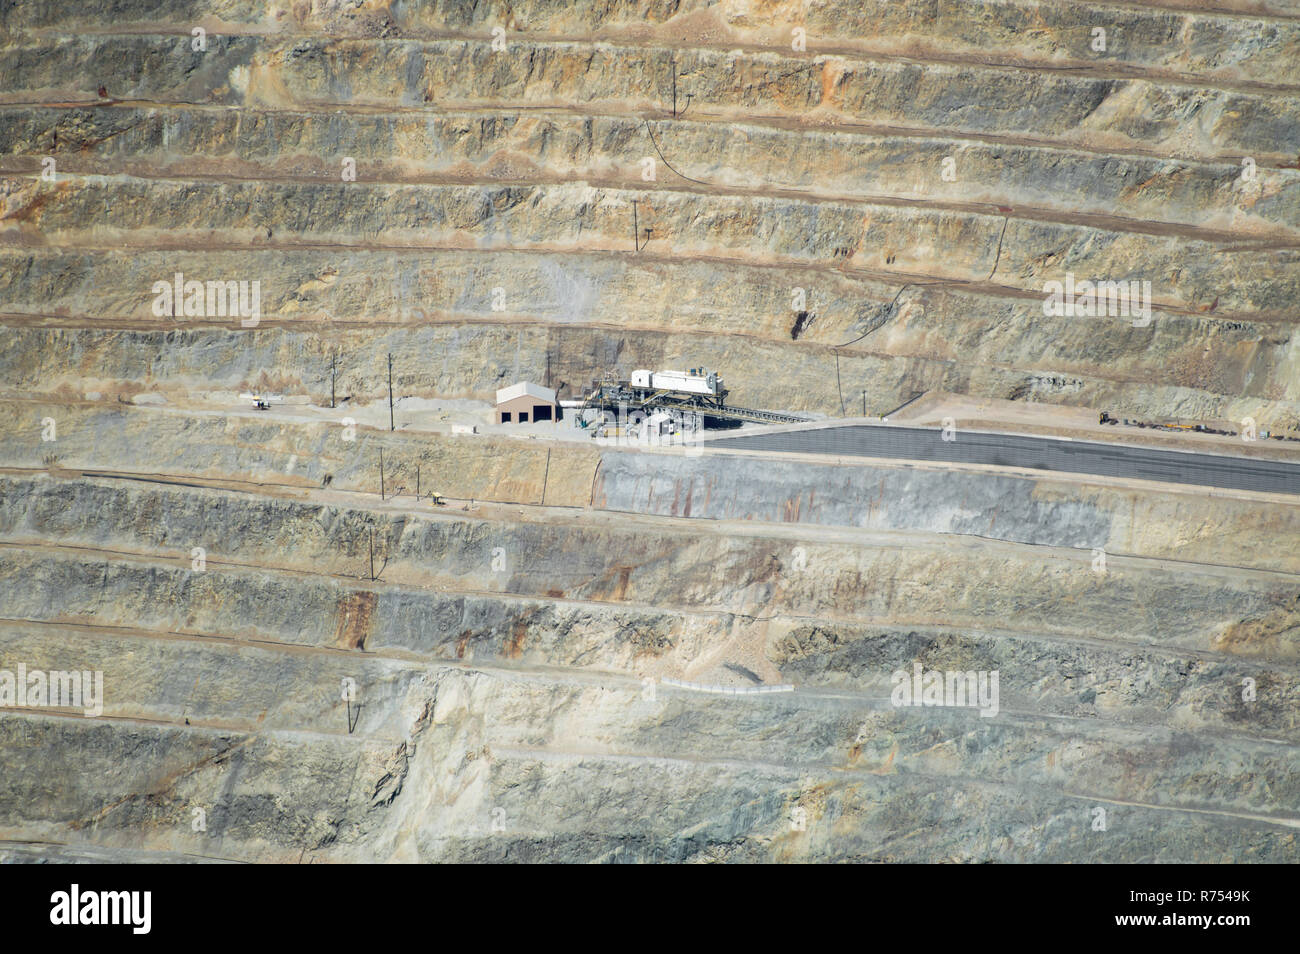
<point x="807" y="226"/>
<point x="1119" y="688"/>
<point x="473" y="360"/>
<point x="649" y="565"/>
<point x="801" y="222"/>
<point x="1186" y="523"/>
<point x="1182" y="523"/>
<point x="419" y="769"/>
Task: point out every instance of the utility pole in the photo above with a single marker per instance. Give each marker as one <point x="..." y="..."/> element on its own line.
<point x="674" y="87"/>
<point x="636" y="231"/>
<point x="417" y="481"/>
<point x="381" y="473"/>
<point x="333" y="371"/>
<point x="545" y="476"/>
<point x="372" y="553"/>
<point x="390" y="391"/>
<point x="688" y="95"/>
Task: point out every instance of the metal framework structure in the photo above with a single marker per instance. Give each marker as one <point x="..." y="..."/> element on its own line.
<point x="612" y="394"/>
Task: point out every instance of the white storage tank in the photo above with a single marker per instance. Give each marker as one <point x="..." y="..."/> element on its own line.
<point x="695" y="381"/>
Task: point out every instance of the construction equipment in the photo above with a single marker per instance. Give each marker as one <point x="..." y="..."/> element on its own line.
<point x="436" y="499"/>
<point x="695" y="392"/>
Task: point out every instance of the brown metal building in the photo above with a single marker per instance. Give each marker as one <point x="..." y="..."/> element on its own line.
<point x="524" y="403"/>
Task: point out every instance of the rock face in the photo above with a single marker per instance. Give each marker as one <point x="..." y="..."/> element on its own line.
<point x="615" y="653"/>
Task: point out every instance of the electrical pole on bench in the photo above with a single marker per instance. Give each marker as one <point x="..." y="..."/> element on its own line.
<point x="688" y="95"/>
<point x="636" y="231"/>
<point x="390" y="391"/>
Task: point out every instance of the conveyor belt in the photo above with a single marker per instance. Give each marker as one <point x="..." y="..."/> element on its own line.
<point x="665" y="401"/>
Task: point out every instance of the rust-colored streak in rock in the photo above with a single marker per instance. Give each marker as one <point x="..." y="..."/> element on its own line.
<point x="515" y="644"/>
<point x="29" y="211"/>
<point x="832" y="77"/>
<point x="356" y="611"/>
<point x="620" y="588"/>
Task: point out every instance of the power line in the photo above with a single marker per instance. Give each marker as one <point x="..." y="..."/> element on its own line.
<point x="654" y="143"/>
